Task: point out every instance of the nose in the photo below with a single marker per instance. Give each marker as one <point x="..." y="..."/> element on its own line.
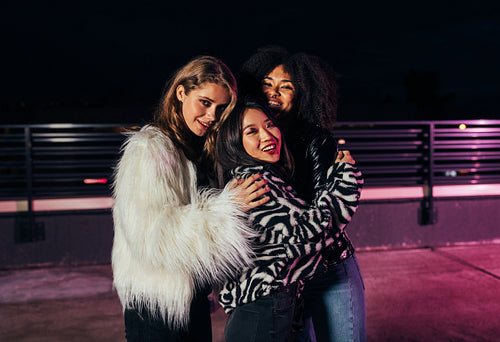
<point x="265" y="135"/>
<point x="273" y="92"/>
<point x="211" y="113"/>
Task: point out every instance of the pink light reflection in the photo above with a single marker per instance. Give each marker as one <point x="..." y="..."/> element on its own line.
<point x="95" y="181"/>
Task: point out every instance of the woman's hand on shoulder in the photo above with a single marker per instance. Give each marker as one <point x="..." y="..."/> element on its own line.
<point x="250" y="191"/>
<point x="345" y="156"/>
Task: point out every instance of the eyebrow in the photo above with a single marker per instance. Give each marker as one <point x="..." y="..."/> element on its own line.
<point x="207" y="98"/>
<point x="270" y="78"/>
<point x="250" y="125"/>
<point x="212" y="101"/>
<point x="247" y="126"/>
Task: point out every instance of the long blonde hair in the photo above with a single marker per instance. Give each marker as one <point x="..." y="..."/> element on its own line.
<point x="169" y="117"/>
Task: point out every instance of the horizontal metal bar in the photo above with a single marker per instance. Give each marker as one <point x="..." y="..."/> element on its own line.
<point x="465" y="141"/>
<point x="476" y="153"/>
<point x="71" y="140"/>
<point x="69" y="163"/>
<point x="75" y="149"/>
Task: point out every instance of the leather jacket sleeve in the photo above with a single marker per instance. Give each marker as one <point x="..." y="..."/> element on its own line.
<point x="320" y="155"/>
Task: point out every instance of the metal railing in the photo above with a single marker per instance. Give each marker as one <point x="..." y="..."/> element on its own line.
<point x="43" y="161"/>
<point x="427" y="153"/>
<point x="58" y="160"/>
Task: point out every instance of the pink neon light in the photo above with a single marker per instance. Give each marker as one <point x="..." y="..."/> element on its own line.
<point x="95" y="181"/>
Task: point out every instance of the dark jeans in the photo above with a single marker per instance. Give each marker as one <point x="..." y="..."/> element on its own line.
<point x="268" y="319"/>
<point x="141" y="327"/>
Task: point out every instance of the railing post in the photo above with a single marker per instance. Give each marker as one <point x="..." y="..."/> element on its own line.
<point x="26" y="229"/>
<point x="29" y="171"/>
<point x="428" y="213"/>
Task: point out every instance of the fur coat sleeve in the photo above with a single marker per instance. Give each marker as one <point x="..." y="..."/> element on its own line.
<point x="171" y="237"/>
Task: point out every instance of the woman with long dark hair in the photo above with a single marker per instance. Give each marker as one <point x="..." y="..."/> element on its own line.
<point x="290" y="233"/>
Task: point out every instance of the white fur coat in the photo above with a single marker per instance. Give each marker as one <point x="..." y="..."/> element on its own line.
<point x="170" y="236"/>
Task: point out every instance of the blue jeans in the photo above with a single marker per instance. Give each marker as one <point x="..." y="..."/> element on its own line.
<point x="334" y="305"/>
<point x="267" y="319"/>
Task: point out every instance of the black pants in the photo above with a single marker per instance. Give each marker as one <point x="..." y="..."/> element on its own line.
<point x="268" y="319"/>
<point x="141" y="327"/>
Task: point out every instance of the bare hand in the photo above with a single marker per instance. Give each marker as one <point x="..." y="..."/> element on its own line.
<point x="250" y="190"/>
<point x="345" y="156"/>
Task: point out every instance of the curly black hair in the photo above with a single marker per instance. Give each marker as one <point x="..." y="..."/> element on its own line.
<point x="316" y="89"/>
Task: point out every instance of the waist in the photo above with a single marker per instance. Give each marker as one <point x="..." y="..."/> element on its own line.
<point x="337" y="252"/>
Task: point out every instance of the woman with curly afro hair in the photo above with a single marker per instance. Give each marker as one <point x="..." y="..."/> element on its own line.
<point x="302" y="91"/>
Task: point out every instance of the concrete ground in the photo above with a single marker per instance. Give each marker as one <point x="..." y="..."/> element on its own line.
<point x="431" y="294"/>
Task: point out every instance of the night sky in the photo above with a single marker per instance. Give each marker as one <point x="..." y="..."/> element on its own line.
<point x="108" y="61"/>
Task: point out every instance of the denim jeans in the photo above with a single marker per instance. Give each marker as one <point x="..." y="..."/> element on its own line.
<point x="335" y="308"/>
<point x="267" y="319"/>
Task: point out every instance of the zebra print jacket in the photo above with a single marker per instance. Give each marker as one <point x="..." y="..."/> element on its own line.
<point x="291" y="232"/>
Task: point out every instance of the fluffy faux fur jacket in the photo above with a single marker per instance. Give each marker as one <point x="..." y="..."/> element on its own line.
<point x="170" y="236"/>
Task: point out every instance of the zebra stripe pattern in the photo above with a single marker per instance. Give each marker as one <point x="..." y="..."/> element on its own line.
<point x="292" y="233"/>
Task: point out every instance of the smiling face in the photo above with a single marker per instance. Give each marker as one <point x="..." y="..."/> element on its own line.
<point x="279" y="89"/>
<point x="201" y="106"/>
<point x="261" y="138"/>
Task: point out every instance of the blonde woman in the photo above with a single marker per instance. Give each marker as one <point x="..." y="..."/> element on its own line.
<point x="175" y="237"/>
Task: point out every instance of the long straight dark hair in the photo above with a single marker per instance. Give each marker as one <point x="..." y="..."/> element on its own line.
<point x="229" y="150"/>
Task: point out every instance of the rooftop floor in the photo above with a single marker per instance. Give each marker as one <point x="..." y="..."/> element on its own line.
<point x="430" y="294"/>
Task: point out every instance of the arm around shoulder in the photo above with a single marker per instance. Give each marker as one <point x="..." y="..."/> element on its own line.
<point x="163" y="221"/>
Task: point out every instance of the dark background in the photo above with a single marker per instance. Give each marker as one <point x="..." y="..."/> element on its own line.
<point x="108" y="61"/>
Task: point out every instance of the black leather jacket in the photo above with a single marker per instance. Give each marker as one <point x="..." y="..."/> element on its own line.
<point x="314" y="149"/>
